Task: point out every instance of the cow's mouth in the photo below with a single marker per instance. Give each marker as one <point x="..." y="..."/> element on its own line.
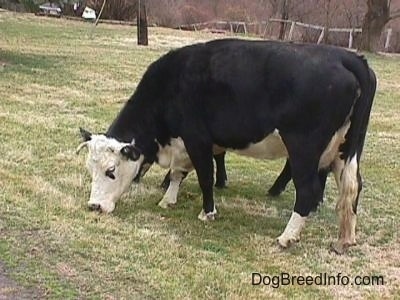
<point x="95" y="207"/>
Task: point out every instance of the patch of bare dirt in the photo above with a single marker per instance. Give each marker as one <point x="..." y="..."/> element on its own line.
<point x="10" y="290"/>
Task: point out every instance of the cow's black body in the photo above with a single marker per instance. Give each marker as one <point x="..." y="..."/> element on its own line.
<point x="232" y="93"/>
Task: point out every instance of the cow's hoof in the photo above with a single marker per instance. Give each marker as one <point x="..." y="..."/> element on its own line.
<point x="275" y="192"/>
<point x="220" y="184"/>
<point x="287" y="242"/>
<point x="165" y="204"/>
<point x="102" y="208"/>
<point x="207" y="217"/>
<point x="341" y="247"/>
<point x="94" y="207"/>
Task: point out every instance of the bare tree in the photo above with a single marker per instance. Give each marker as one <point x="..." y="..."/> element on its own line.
<point x="377" y="16"/>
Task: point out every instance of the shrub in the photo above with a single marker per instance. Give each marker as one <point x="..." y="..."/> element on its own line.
<point x="30" y="5"/>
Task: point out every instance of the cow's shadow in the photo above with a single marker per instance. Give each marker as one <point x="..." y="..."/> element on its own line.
<point x="237" y="219"/>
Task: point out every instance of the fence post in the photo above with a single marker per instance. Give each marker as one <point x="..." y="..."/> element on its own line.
<point x="351" y="38"/>
<point x="265" y="29"/>
<point x="388" y="36"/>
<point x="321" y="36"/>
<point x="291" y="31"/>
<point x="245" y="28"/>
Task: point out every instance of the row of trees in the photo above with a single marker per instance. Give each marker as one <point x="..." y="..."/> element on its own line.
<point x="371" y="15"/>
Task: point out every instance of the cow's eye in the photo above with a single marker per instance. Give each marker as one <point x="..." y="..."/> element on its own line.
<point x="110" y="172"/>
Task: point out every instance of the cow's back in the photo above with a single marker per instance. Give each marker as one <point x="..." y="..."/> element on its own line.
<point x="241" y="90"/>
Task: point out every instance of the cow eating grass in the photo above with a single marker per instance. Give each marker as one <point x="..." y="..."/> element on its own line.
<point x="112" y="166"/>
<point x="310" y="103"/>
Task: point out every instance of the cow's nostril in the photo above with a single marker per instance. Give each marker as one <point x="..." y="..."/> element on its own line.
<point x="94" y="207"/>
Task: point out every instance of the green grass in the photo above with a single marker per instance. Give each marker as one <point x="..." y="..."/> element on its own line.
<point x="57" y="75"/>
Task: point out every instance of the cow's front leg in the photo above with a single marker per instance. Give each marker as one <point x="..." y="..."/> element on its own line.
<point x="201" y="156"/>
<point x="220" y="173"/>
<point x="165" y="183"/>
<point x="206" y="181"/>
<point x="281" y="182"/>
<point x="171" y="195"/>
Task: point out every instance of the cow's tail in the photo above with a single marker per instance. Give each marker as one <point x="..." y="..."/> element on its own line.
<point x="346" y="167"/>
<point x="362" y="107"/>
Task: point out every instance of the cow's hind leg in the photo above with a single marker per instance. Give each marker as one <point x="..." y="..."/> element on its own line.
<point x="309" y="189"/>
<point x="349" y="182"/>
<point x="308" y="195"/>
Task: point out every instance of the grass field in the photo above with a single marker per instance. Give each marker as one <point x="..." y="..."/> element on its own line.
<point x="57" y="75"/>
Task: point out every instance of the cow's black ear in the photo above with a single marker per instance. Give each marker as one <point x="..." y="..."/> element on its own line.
<point x="130" y="152"/>
<point x="86" y="135"/>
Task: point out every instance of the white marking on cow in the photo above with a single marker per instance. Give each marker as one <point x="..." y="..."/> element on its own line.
<point x="171" y="195"/>
<point x="174" y="155"/>
<point x="337" y="168"/>
<point x="271" y="147"/>
<point x="293" y="229"/>
<point x="207" y="217"/>
<point x="332" y="150"/>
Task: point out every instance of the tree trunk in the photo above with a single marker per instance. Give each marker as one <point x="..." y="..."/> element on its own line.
<point x="142" y="23"/>
<point x="375" y="19"/>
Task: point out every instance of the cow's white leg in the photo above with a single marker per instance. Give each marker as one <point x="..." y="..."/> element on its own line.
<point x="292" y="232"/>
<point x="171" y="195"/>
<point x="349" y="189"/>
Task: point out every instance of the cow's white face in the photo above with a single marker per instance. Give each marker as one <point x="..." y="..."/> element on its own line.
<point x="112" y="166"/>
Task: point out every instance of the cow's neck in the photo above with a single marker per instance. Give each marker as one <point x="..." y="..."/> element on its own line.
<point x="137" y="122"/>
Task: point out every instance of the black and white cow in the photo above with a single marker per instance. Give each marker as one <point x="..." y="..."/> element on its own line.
<point x="235" y="94"/>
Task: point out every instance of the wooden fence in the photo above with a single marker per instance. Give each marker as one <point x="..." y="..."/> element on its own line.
<point x="242" y="27"/>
